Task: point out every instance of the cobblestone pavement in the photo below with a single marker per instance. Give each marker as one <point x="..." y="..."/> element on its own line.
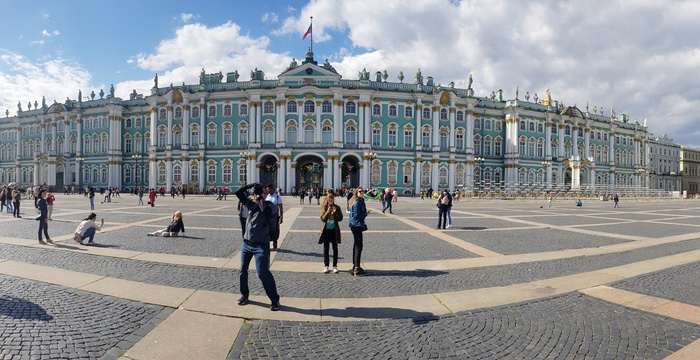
<point x="296" y="284"/>
<point x="680" y="283"/>
<point x="570" y="326"/>
<point x="42" y="321"/>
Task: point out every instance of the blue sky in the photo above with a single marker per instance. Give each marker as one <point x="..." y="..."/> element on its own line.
<point x="639" y="56"/>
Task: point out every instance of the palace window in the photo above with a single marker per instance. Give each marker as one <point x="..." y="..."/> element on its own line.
<point x="459" y="175"/>
<point x="195" y="111"/>
<point x="443" y="176"/>
<point x="127" y="144"/>
<point x="161" y="174"/>
<point x="228" y="136"/>
<point x="177" y="139"/>
<point x="103" y="175"/>
<point x="567" y="150"/>
<point x="242" y="173"/>
<point x="309" y="134"/>
<point x="477" y="124"/>
<point x="408" y="112"/>
<point x="499" y="126"/>
<point x="177" y="174"/>
<point x="425" y="174"/>
<point x="521" y="147"/>
<point x="194" y="174"/>
<point x="162" y="115"/>
<point x="392" y="137"/>
<point x="95" y="175"/>
<point x="554" y="128"/>
<point x="95" y="145"/>
<point x="326" y="107"/>
<point x="194" y="135"/>
<point x="350" y="107"/>
<point x="137" y="174"/>
<point x="376" y="110"/>
<point x="391" y="174"/>
<point x="443" y="141"/>
<point x="531" y="148"/>
<point x="178" y="113"/>
<point x="459" y="141"/>
<point x="211" y="174"/>
<point x="497" y="147"/>
<point x="426" y="112"/>
<point x="531" y="126"/>
<point x="460" y="116"/>
<point x="243" y="110"/>
<point x="326" y="135"/>
<point x="211" y="137"/>
<point x="161" y="138"/>
<point x="487" y="125"/>
<point x="426" y="137"/>
<point x="408" y="138"/>
<point x="309" y="106"/>
<point x="268" y="108"/>
<point x="407" y="174"/>
<point x="350" y="135"/>
<point x="605" y="136"/>
<point x="477" y="145"/>
<point x="291" y="135"/>
<point x="487" y="147"/>
<point x="228" y="111"/>
<point x="540" y="150"/>
<point x="540" y="128"/>
<point x="212" y="111"/>
<point x="376" y="174"/>
<point x="226" y="173"/>
<point x="127" y="123"/>
<point x="392" y="111"/>
<point x="268" y="135"/>
<point x="291" y="106"/>
<point x="567" y="130"/>
<point x="580" y="132"/>
<point x="523" y="125"/>
<point x="443" y="114"/>
<point x="376" y="137"/>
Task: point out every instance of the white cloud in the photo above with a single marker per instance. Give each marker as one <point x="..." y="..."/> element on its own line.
<point x="49" y="34"/>
<point x="25" y="80"/>
<point x="635" y="56"/>
<point x="269" y="17"/>
<point x="220" y="48"/>
<point x="186" y="18"/>
<point x="37" y="42"/>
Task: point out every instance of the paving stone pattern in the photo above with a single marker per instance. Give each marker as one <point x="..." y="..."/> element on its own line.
<point x="377" y="283"/>
<point x="43" y="321"/>
<point x="680" y="283"/>
<point x="570" y="326"/>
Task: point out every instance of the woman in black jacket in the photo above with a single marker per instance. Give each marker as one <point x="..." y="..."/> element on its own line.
<point x="175" y="227"/>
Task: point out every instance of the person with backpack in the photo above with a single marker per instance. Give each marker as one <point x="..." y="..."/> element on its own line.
<point x="330" y="233"/>
<point x="275" y="199"/>
<point x="16" y="196"/>
<point x="256" y="243"/>
<point x="444" y="205"/>
<point x="388" y="196"/>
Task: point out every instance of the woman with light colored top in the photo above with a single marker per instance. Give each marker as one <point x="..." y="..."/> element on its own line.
<point x="330" y="233"/>
<point x="87" y="229"/>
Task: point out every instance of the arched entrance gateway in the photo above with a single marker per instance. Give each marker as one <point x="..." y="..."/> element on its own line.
<point x="268" y="170"/>
<point x="350" y="172"/>
<point x="309" y="172"/>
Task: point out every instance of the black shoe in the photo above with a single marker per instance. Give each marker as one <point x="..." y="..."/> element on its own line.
<point x="19" y="216"/>
<point x="49" y="241"/>
<point x="243" y="300"/>
<point x="275" y="306"/>
<point x="360" y="272"/>
<point x="274" y="245"/>
<point x="42" y="242"/>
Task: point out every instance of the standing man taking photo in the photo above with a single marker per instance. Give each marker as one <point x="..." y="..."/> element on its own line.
<point x="43" y="217"/>
<point x="276" y="199"/>
<point x="256" y="243"/>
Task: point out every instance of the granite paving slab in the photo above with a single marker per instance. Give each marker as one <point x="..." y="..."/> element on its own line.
<point x="461" y="221"/>
<point x="653" y="230"/>
<point x="42" y="321"/>
<point x="570" y="326"/>
<point x="342" y="285"/>
<point x="680" y="283"/>
<point x="522" y="241"/>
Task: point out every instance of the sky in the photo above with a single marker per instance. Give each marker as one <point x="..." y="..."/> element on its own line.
<point x="640" y="57"/>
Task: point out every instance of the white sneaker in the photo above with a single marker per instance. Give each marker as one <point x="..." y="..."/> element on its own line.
<point x="449" y="226"/>
<point x="335" y="269"/>
<point x="325" y="269"/>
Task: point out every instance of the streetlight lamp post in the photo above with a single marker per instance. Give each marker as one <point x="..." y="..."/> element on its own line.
<point x="80" y="174"/>
<point x="139" y="161"/>
<point x="480" y="160"/>
<point x="370" y="156"/>
<point x="245" y="156"/>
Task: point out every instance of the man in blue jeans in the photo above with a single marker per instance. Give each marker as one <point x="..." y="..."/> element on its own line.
<point x="256" y="243"/>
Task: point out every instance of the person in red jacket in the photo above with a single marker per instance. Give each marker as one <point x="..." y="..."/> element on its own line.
<point x="152" y="197"/>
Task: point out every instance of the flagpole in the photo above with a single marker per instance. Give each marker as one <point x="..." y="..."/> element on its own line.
<point x="312" y="35"/>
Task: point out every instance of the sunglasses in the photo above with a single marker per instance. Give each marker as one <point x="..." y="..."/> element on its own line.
<point x="360" y="191"/>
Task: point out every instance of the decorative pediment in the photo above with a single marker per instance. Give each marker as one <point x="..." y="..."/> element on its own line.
<point x="308" y="73"/>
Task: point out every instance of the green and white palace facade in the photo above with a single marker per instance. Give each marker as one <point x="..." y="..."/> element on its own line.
<point x="311" y="128"/>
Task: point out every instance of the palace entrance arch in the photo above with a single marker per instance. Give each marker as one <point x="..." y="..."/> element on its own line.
<point x="350" y="172"/>
<point x="268" y="170"/>
<point x="309" y="172"/>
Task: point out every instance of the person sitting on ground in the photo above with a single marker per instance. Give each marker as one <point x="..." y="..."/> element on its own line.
<point x="579" y="203"/>
<point x="87" y="229"/>
<point x="173" y="229"/>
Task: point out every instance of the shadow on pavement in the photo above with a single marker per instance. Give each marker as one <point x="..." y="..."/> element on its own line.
<point x="417" y="317"/>
<point x="18" y="308"/>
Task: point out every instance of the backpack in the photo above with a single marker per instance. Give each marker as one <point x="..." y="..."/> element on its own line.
<point x="445" y="200"/>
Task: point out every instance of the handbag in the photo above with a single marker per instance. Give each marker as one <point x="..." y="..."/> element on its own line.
<point x="364" y="227"/>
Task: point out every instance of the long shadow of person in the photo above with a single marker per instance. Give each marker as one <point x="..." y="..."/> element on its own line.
<point x="18" y="308"/>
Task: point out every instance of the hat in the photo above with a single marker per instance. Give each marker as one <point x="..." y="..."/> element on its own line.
<point x="48" y="194"/>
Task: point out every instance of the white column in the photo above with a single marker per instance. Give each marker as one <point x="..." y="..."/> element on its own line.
<point x="435" y="180"/>
<point x="419" y="127"/>
<point x="368" y="121"/>
<point x="317" y="132"/>
<point x="79" y="144"/>
<point x="43" y="138"/>
<point x="587" y="143"/>
<point x="417" y="176"/>
<point x="53" y="137"/>
<point x="338" y="121"/>
<point x="154" y="132"/>
<point x="203" y="171"/>
<point x="290" y="175"/>
<point x="168" y="170"/>
<point x="611" y="151"/>
<point x="169" y="134"/>
<point x="560" y="149"/>
<point x="258" y="123"/>
<point x="452" y="132"/>
<point x="574" y="146"/>
<point x="436" y="129"/>
<point x="185" y="129"/>
<point x="451" y="175"/>
<point x="66" y="139"/>
<point x="360" y="123"/>
<point x="202" y="125"/>
<point x="152" y="172"/>
<point x="35" y="180"/>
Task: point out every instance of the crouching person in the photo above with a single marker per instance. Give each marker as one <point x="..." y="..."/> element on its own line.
<point x="173" y="229"/>
<point x="256" y="243"/>
<point x="86" y="229"/>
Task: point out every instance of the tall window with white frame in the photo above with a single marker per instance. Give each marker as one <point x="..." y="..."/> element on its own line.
<point x="426" y="137"/>
<point x="291" y="135"/>
<point x="391" y="174"/>
<point x="408" y="175"/>
<point x="376" y="137"/>
<point x="408" y="138"/>
<point x="268" y="135"/>
<point x="211" y="174"/>
<point x="228" y="136"/>
<point x="327" y="135"/>
<point x="392" y="137"/>
<point x="242" y="172"/>
<point x="309" y="134"/>
<point x="211" y="136"/>
<point x="226" y="173"/>
<point x="459" y="141"/>
<point x="242" y="136"/>
<point x="177" y="174"/>
<point x="194" y="174"/>
<point x="350" y="135"/>
<point x="161" y="173"/>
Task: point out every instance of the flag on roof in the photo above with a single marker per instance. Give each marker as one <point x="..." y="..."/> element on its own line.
<point x="307" y="32"/>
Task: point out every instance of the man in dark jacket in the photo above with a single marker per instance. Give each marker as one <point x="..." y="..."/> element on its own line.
<point x="256" y="243"/>
<point x="43" y="218"/>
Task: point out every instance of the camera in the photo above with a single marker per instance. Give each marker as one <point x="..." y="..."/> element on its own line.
<point x="258" y="189"/>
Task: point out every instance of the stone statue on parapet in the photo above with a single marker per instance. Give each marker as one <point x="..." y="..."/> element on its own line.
<point x="535" y="98"/>
<point x="155" y="81"/>
<point x="92" y="95"/>
<point x="612" y="112"/>
<point x="111" y="91"/>
<point x="364" y="74"/>
<point x="201" y="76"/>
<point x="19" y="106"/>
<point x="470" y="81"/>
<point x="451" y="85"/>
<point x="527" y="96"/>
<point x="517" y="90"/>
<point x="43" y="102"/>
<point x="418" y="80"/>
<point x="7" y="113"/>
<point x="586" y="105"/>
<point x="29" y="106"/>
<point x="36" y="104"/>
<point x="80" y="96"/>
<point x="401" y="77"/>
<point x="102" y="93"/>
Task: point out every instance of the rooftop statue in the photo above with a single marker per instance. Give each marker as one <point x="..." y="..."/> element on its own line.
<point x="80" y="96"/>
<point x="601" y="110"/>
<point x="493" y="96"/>
<point x="418" y="80"/>
<point x="36" y="104"/>
<point x="527" y="96"/>
<point x="586" y="105"/>
<point x="595" y="109"/>
<point x="401" y="76"/>
<point x="111" y="90"/>
<point x="201" y="76"/>
<point x="235" y="75"/>
<point x="470" y="81"/>
<point x="385" y="75"/>
<point x="7" y="113"/>
<point x="516" y="92"/>
<point x="92" y="94"/>
<point x="43" y="102"/>
<point x="19" y="106"/>
<point x="535" y="98"/>
<point x="612" y="112"/>
<point x="293" y="64"/>
<point x="155" y="81"/>
<point x="326" y="64"/>
<point x="102" y="93"/>
<point x="364" y="75"/>
<point x="29" y="106"/>
<point x="451" y="85"/>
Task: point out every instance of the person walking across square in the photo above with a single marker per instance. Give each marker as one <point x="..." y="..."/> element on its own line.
<point x="388" y="197"/>
<point x="256" y="243"/>
<point x="444" y="204"/>
<point x="43" y="217"/>
<point x="16" y="197"/>
<point x="617" y="200"/>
